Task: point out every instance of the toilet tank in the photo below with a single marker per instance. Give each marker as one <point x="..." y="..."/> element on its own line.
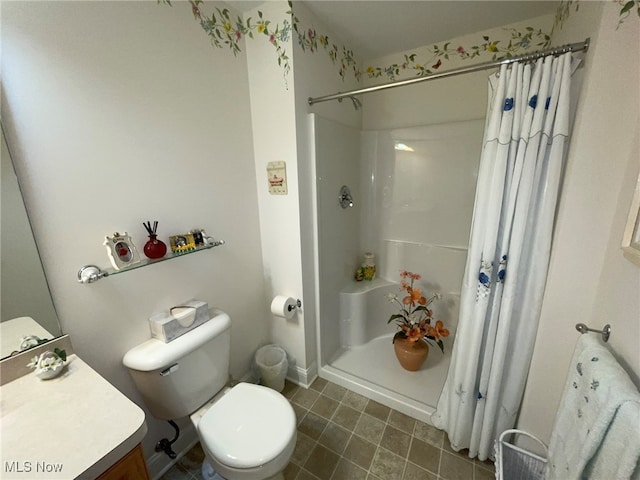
<point x="177" y="378"/>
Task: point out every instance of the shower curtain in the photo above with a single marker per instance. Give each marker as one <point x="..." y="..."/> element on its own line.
<point x="521" y="164"/>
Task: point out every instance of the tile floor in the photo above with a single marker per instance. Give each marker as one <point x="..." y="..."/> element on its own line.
<point x="345" y="436"/>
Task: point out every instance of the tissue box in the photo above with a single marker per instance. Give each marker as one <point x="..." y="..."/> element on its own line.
<point x="168" y="326"/>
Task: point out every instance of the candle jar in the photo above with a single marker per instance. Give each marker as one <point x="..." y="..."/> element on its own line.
<point x="368" y="267"/>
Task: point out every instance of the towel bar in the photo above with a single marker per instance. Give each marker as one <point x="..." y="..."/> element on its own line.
<point x="606" y="331"/>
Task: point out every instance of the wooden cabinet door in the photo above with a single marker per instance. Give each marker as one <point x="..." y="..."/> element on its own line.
<point x="130" y="467"/>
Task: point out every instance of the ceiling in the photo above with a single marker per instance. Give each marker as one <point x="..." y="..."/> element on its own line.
<point x="374" y="28"/>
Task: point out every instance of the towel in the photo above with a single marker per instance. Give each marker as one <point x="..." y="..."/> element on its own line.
<point x="597" y="427"/>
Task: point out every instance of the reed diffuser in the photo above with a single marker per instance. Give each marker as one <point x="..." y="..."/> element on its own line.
<point x="154" y="248"/>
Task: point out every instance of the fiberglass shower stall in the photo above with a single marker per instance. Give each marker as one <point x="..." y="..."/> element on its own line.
<point x="413" y="191"/>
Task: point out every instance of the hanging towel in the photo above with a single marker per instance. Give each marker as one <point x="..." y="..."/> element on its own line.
<point x="597" y="428"/>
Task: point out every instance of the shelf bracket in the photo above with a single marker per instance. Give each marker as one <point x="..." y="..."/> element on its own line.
<point x="90" y="274"/>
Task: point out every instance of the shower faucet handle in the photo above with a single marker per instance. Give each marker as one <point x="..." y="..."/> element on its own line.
<point x="344" y="198"/>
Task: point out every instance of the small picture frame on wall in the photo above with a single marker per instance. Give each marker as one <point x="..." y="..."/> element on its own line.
<point x="631" y="236"/>
<point x="121" y="250"/>
<point x="277" y="177"/>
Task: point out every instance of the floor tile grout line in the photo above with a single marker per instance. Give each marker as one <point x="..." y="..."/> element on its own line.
<point x="375" y="454"/>
<point x="411" y="438"/>
<point x="406" y="460"/>
<point x="440" y="459"/>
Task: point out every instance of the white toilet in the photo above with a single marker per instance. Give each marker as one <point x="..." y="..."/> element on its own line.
<point x="247" y="432"/>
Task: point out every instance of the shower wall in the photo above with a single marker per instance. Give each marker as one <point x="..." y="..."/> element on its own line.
<point x="418" y="214"/>
<point x="413" y="191"/>
<point x="337" y="159"/>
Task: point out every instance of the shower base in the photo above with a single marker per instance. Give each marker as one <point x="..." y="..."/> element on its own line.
<point x="372" y="370"/>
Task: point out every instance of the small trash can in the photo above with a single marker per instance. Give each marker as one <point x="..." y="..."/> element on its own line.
<point x="273" y="365"/>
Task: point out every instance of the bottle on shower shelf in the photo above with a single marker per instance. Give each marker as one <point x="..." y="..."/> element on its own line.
<point x="368" y="269"/>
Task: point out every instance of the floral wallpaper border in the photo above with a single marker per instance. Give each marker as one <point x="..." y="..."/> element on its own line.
<point x="564" y="10"/>
<point x="520" y="42"/>
<point x="225" y="31"/>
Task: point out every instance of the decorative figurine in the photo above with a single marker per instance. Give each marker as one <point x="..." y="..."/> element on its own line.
<point x="197" y="236"/>
<point x="182" y="243"/>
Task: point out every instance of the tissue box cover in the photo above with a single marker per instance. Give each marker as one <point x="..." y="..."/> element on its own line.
<point x="165" y="326"/>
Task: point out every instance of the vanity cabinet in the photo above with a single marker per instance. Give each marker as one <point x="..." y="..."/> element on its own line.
<point x="130" y="467"/>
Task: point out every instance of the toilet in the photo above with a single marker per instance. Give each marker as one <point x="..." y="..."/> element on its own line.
<point x="247" y="432"/>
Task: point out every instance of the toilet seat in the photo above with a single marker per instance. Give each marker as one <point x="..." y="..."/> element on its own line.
<point x="248" y="426"/>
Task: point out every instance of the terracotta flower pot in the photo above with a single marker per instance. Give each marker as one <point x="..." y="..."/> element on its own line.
<point x="411" y="355"/>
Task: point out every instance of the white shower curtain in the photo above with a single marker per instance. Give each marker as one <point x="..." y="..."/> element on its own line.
<point x="520" y="168"/>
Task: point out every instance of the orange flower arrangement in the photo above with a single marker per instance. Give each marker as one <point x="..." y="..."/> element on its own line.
<point x="415" y="318"/>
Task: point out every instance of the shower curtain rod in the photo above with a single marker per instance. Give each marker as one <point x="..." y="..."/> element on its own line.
<point x="571" y="47"/>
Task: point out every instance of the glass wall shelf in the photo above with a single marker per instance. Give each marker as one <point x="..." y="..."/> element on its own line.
<point x="92" y="273"/>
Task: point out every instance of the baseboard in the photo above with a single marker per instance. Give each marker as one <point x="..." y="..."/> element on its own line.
<point x="159" y="463"/>
<point x="303" y="376"/>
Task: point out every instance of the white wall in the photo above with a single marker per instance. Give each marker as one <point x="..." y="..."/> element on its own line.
<point x="282" y="132"/>
<point x="121" y="112"/>
<point x="274" y="129"/>
<point x="316" y="75"/>
<point x="589" y="280"/>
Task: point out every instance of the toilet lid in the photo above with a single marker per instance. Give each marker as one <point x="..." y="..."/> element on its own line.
<point x="248" y="427"/>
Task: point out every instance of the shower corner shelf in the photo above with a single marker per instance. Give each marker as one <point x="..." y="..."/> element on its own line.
<point x="92" y="273"/>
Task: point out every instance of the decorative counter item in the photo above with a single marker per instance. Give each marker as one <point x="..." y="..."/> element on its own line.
<point x="368" y="269"/>
<point x="29" y="341"/>
<point x="169" y="325"/>
<point x="182" y="243"/>
<point x="416" y="326"/>
<point x="121" y="250"/>
<point x="198" y="236"/>
<point x="48" y="364"/>
<point x="208" y="239"/>
<point x="154" y="248"/>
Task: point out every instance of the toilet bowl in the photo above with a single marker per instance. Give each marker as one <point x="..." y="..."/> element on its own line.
<point x="247" y="432"/>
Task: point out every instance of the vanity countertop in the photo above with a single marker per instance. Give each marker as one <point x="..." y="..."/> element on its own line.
<point x="74" y="426"/>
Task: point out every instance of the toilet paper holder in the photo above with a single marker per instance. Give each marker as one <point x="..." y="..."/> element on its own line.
<point x="285" y="307"/>
<point x="293" y="307"/>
